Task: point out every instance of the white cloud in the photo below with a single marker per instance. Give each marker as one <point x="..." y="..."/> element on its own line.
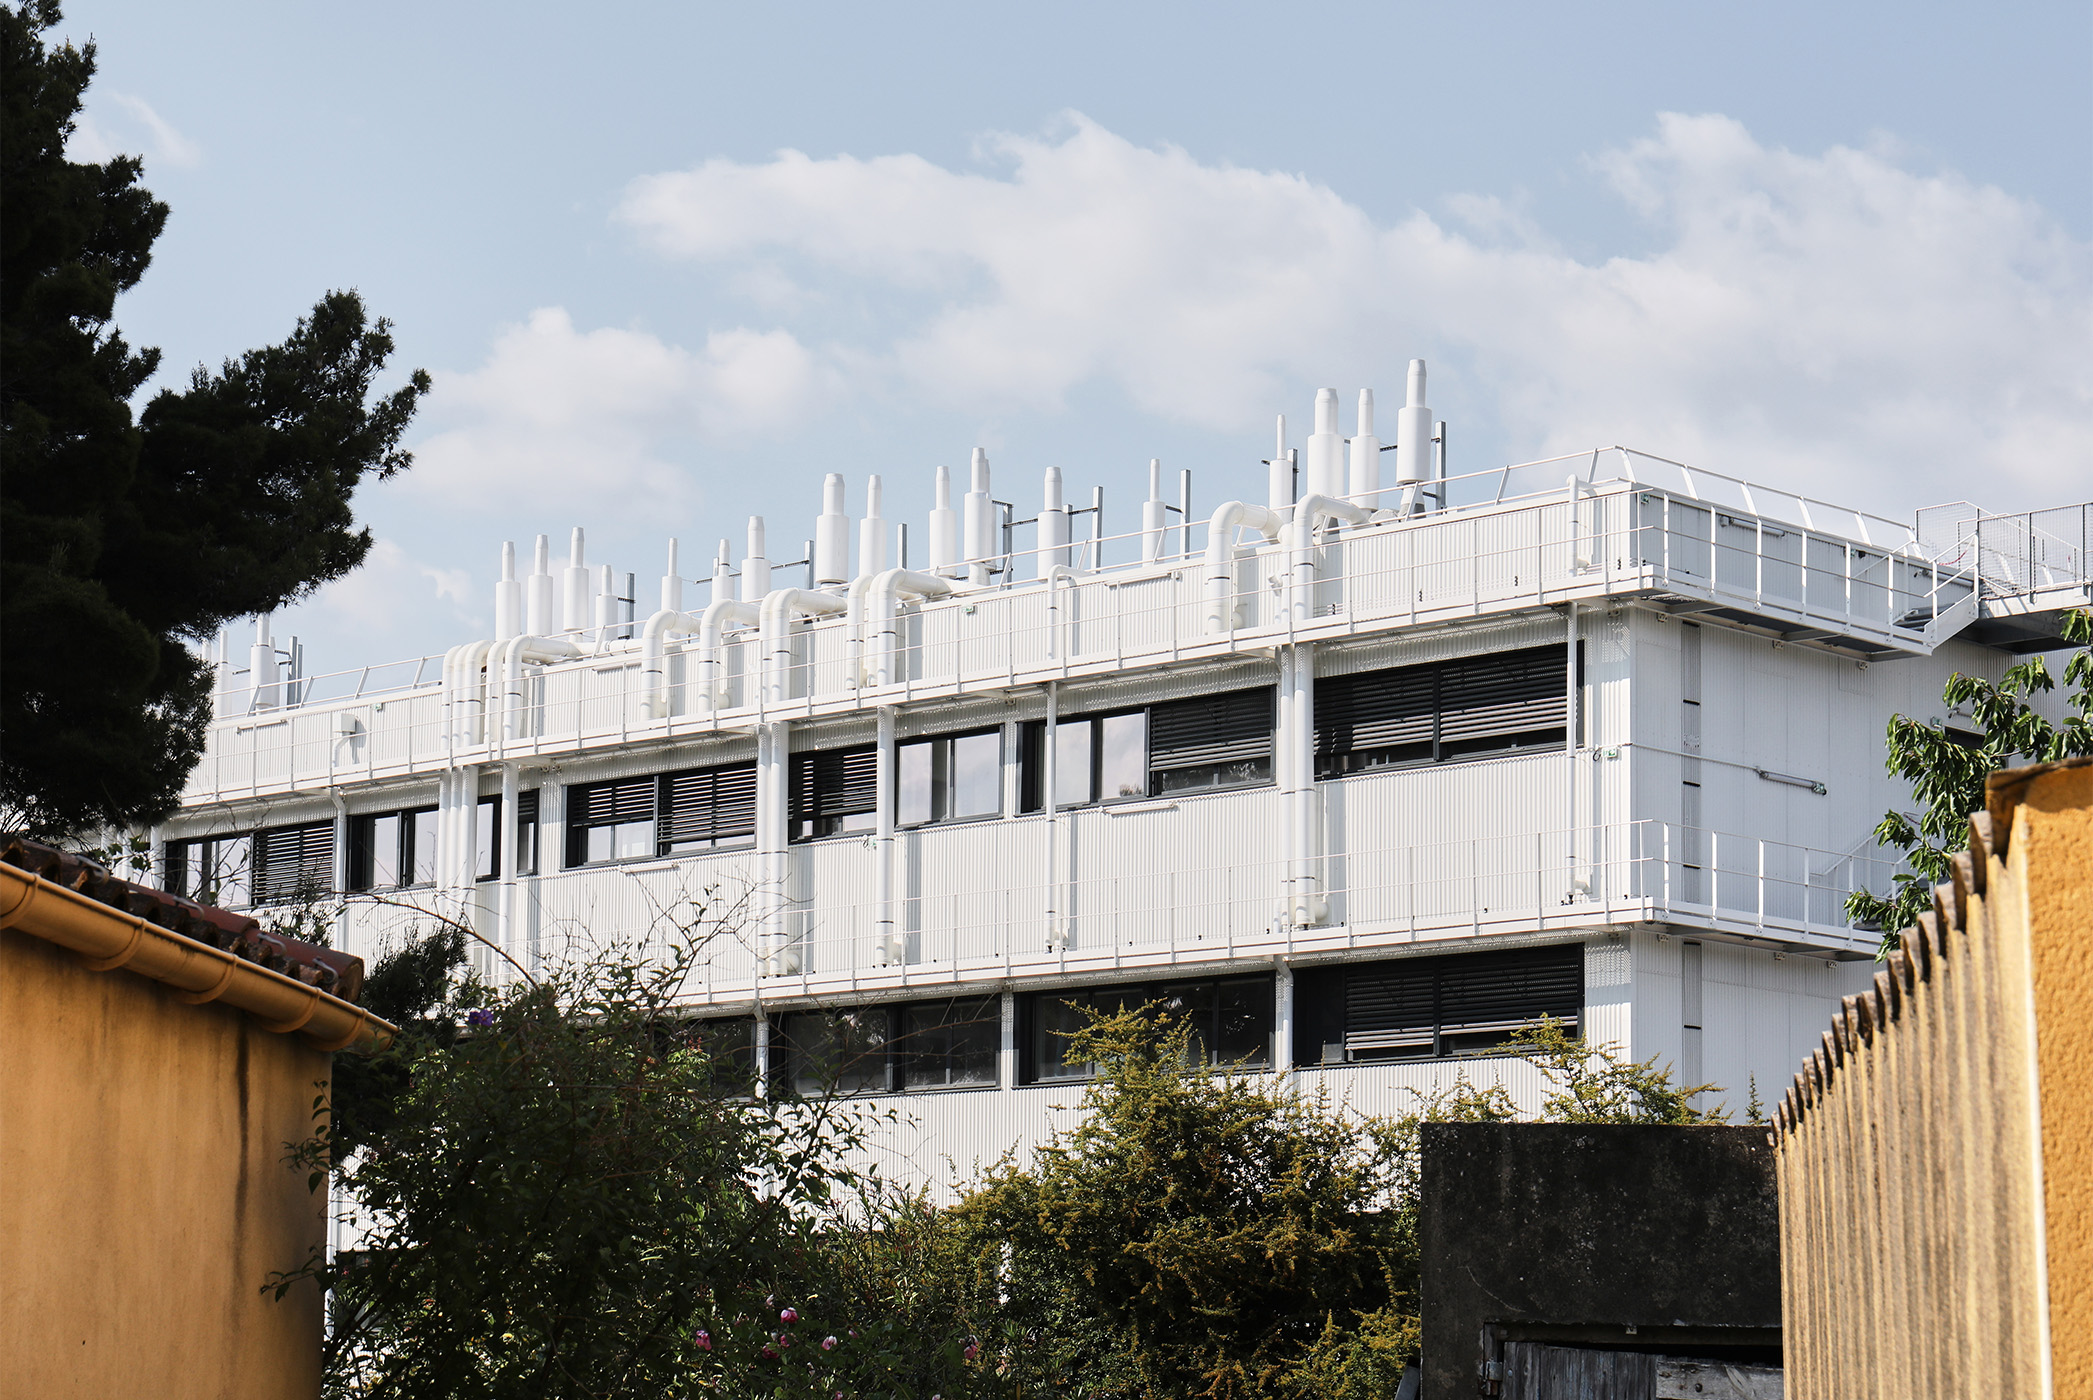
<point x="381" y="596"/>
<point x="1835" y="322"/>
<point x="97" y="139"/>
<point x="558" y="415"/>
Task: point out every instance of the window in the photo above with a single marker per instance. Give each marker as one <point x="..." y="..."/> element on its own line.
<point x="1231" y="1022"/>
<point x="834" y="792"/>
<point x="1209" y="741"/>
<point x="211" y="871"/>
<point x="1499" y="703"/>
<point x="730" y="1041"/>
<point x="928" y="1045"/>
<point x="661" y="814"/>
<point x="527" y="832"/>
<point x="1427" y="1008"/>
<point x="949" y="778"/>
<point x="393" y="851"/>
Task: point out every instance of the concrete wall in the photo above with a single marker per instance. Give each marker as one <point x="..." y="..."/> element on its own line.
<point x="144" y="1196"/>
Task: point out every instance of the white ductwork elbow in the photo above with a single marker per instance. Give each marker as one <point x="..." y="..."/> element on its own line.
<point x="654" y="671"/>
<point x="515" y="655"/>
<point x="1309" y="514"/>
<point x="1221" y="555"/>
<point x="720" y="614"/>
<point x="884" y="614"/>
<point x="780" y="607"/>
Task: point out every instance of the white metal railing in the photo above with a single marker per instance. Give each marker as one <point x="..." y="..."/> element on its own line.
<point x="1446" y="566"/>
<point x="1626" y="873"/>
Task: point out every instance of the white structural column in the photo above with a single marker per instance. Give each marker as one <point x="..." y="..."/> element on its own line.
<point x="773" y="768"/>
<point x="1006" y="1052"/>
<point x="1282" y="1016"/>
<point x="887" y="946"/>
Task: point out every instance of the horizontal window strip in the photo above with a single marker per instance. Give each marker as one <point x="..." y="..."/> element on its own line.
<point x="1421" y="712"/>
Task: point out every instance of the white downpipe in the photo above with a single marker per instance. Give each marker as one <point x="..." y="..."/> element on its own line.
<point x="780" y="607"/>
<point x="1307" y="906"/>
<point x="511" y="860"/>
<point x="1055" y="577"/>
<point x="515" y="655"/>
<point x="854" y="624"/>
<point x="772" y="769"/>
<point x="1221" y="556"/>
<point x="720" y="614"/>
<point x="654" y="667"/>
<point x="887" y="948"/>
<point x="884" y="614"/>
<point x="465" y="693"/>
<point x="1050" y="778"/>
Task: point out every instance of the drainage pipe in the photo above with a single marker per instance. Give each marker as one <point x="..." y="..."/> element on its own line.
<point x="1221" y="556"/>
<point x="1055" y="577"/>
<point x="886" y="944"/>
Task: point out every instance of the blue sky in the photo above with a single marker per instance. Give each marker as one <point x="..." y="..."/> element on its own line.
<point x="671" y="263"/>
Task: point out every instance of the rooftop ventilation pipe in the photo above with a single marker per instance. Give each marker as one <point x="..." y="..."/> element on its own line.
<point x="607" y="601"/>
<point x="539" y="610"/>
<point x="980" y="524"/>
<point x="883" y="608"/>
<point x="224" y="668"/>
<point x="1279" y="473"/>
<point x="780" y="607"/>
<point x="515" y="655"/>
<point x="831" y="552"/>
<point x="508" y="596"/>
<point x="575" y="609"/>
<point x="1053" y="526"/>
<point x="263" y="691"/>
<point x="872" y="533"/>
<point x="1155" y="515"/>
<point x="1221" y="556"/>
<point x="672" y="582"/>
<point x="1413" y="442"/>
<point x="1325" y="474"/>
<point x="723" y="571"/>
<point x="720" y="614"/>
<point x="1364" y="479"/>
<point x="755" y="569"/>
<point x="944" y="528"/>
<point x="654" y="674"/>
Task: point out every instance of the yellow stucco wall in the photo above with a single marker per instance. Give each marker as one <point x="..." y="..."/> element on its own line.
<point x="2052" y="853"/>
<point x="144" y="1197"/>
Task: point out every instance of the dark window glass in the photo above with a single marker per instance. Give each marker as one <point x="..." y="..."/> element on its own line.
<point x="662" y="814"/>
<point x="393" y="850"/>
<point x="486" y="839"/>
<point x="527" y="832"/>
<point x="1422" y="1008"/>
<point x="1498" y="703"/>
<point x="949" y="778"/>
<point x="1231" y="1022"/>
<point x="1211" y="741"/>
<point x="213" y="870"/>
<point x="815" y="1052"/>
<point x="730" y="1041"/>
<point x="947" y="1043"/>
<point x="293" y="862"/>
<point x="833" y="792"/>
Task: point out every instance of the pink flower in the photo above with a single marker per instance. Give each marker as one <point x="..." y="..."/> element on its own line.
<point x="828" y="1343"/>
<point x="789" y="1315"/>
<point x="771" y="1353"/>
<point x="704" y="1340"/>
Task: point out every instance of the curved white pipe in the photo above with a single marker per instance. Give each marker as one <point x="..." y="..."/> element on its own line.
<point x="515" y="656"/>
<point x="854" y="622"/>
<point x="1308" y="515"/>
<point x="1221" y="555"/>
<point x="884" y="605"/>
<point x="654" y="673"/>
<point x="779" y="606"/>
<point x="719" y="614"/>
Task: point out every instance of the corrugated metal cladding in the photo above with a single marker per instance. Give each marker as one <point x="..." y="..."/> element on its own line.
<point x="838" y="733"/>
<point x="951" y="717"/>
<point x="657" y="758"/>
<point x="1086" y="697"/>
<point x="1437" y="644"/>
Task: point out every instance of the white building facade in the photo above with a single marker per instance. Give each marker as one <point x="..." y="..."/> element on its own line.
<point x="1358" y="777"/>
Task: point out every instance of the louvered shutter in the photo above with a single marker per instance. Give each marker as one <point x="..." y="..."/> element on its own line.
<point x="1497" y="993"/>
<point x="1211" y="731"/>
<point x="714" y="804"/>
<point x="834" y="783"/>
<point x="1389" y="712"/>
<point x="293" y="861"/>
<point x="613" y="804"/>
<point x="1507" y="698"/>
<point x="1392" y="1010"/>
<point x="527" y="807"/>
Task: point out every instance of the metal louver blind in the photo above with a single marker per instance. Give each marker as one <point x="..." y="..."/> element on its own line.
<point x="834" y="783"/>
<point x="1392" y="1008"/>
<point x="715" y="804"/>
<point x="527" y="805"/>
<point x="1210" y="731"/>
<point x="1376" y="710"/>
<point x="292" y="861"/>
<point x="613" y="804"/>
<point x="1502" y="992"/>
<point x="1511" y="693"/>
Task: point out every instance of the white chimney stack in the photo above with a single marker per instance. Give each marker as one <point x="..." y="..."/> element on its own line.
<point x="980" y="522"/>
<point x="539" y="607"/>
<point x="723" y="571"/>
<point x="575" y="609"/>
<point x="755" y="569"/>
<point x="672" y="583"/>
<point x="1155" y="515"/>
<point x="1279" y="478"/>
<point x="1413" y="434"/>
<point x="261" y="667"/>
<point x="832" y="535"/>
<point x="1053" y="524"/>
<point x="944" y="527"/>
<point x="508" y="596"/>
<point x="1325" y="466"/>
<point x="1364" y="481"/>
<point x="872" y="533"/>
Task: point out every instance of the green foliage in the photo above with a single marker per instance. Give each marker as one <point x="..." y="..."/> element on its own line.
<point x="566" y="1195"/>
<point x="1947" y="776"/>
<point x="124" y="539"/>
